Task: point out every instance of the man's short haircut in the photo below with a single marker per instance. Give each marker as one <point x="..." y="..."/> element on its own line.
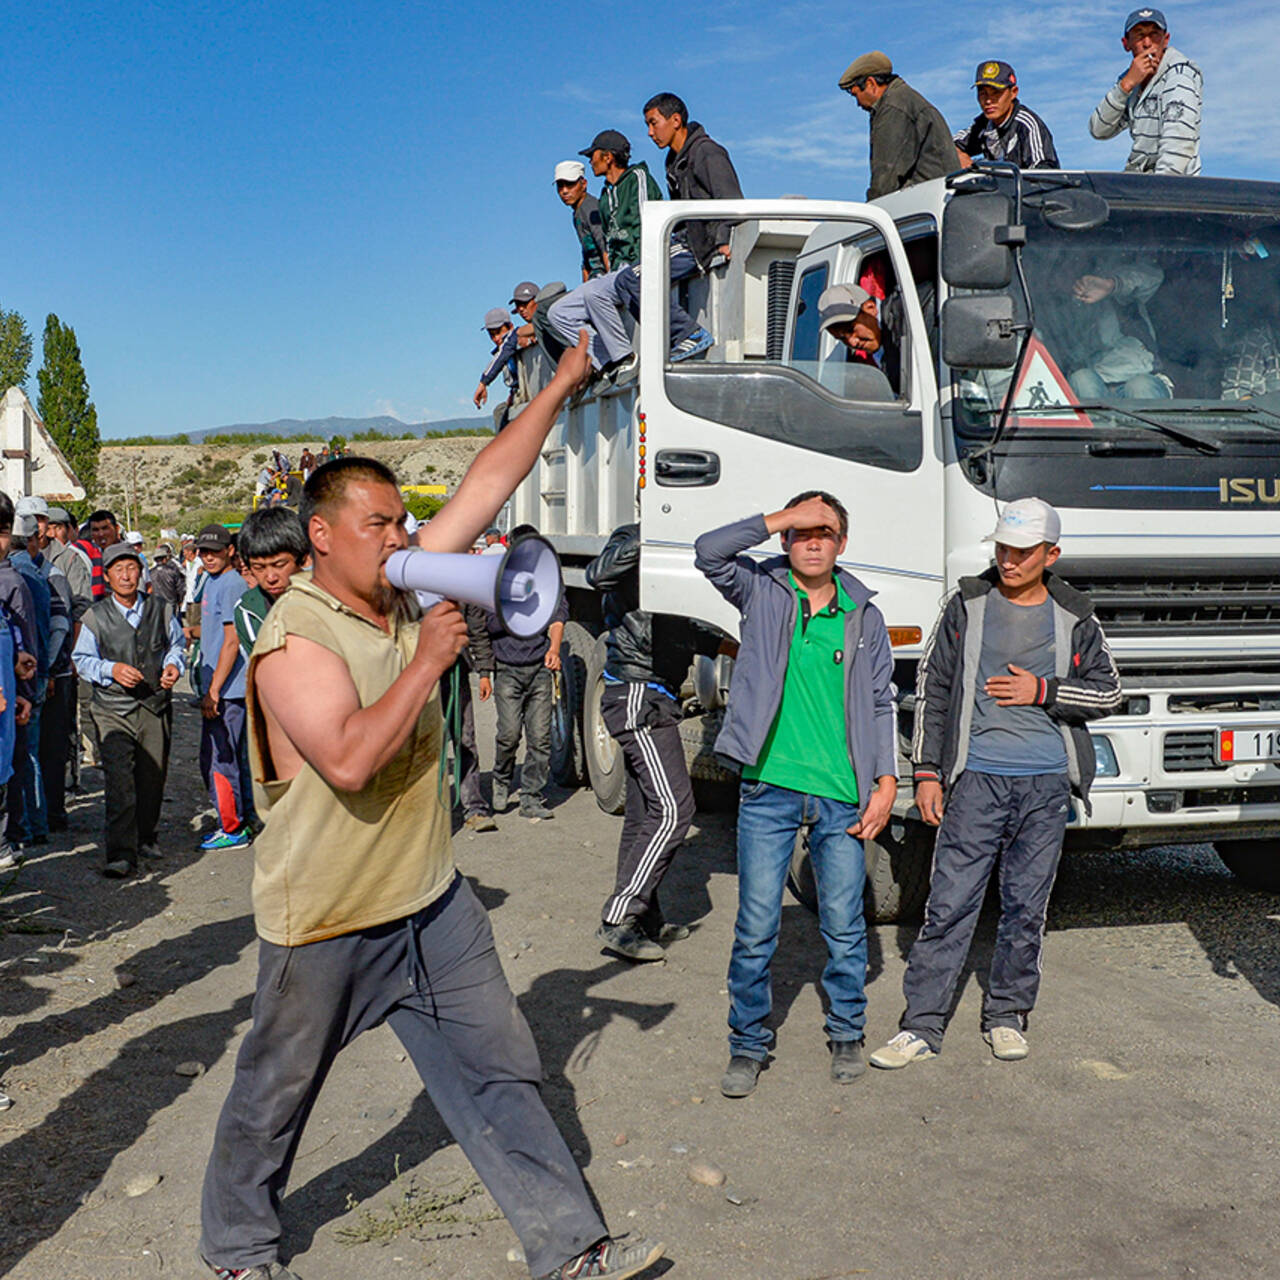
<point x="6" y="512"/>
<point x="831" y="500"/>
<point x="328" y="484"/>
<point x="668" y="105"/>
<point x="103" y="514"/>
<point x="622" y="157"/>
<point x="273" y="531"/>
<point x="521" y="531"/>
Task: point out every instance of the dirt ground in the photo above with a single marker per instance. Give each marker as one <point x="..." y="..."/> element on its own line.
<point x="1138" y="1140"/>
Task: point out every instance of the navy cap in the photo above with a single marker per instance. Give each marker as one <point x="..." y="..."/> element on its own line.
<point x="608" y="140"/>
<point x="999" y="75"/>
<point x="1145" y="15"/>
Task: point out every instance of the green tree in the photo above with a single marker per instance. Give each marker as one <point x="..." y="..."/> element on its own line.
<point x="15" y="351"/>
<point x="64" y="402"/>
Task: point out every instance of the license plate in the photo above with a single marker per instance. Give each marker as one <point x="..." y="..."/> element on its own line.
<point x="1235" y="745"/>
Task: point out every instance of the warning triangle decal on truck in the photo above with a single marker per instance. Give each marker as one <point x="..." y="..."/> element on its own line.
<point x="1042" y="385"/>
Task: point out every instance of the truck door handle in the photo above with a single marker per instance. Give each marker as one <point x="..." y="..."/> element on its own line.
<point x="685" y="468"/>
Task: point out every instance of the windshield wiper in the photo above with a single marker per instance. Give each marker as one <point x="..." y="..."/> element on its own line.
<point x="1174" y="433"/>
<point x="1237" y="406"/>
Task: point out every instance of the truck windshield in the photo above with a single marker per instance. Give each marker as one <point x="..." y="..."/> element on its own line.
<point x="1159" y="316"/>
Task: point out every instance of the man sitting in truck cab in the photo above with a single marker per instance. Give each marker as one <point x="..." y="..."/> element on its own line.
<point x="848" y="313"/>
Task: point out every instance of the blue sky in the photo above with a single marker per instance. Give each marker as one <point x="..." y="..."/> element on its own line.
<point x="255" y="211"/>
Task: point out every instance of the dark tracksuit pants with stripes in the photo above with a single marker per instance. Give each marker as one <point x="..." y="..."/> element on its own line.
<point x="645" y="725"/>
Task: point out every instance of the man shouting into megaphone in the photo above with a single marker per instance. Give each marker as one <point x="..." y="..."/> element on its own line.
<point x="362" y="914"/>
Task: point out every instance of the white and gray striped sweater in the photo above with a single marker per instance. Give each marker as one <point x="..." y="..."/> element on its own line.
<point x="1163" y="117"/>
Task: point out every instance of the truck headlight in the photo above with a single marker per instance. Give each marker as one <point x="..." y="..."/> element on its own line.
<point x="1104" y="758"/>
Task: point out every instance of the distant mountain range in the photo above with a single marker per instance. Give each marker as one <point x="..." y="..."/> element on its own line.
<point x="327" y="428"/>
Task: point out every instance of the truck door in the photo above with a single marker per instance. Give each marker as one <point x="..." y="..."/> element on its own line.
<point x="776" y="407"/>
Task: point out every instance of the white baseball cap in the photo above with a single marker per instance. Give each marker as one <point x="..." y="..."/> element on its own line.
<point x="1027" y="522"/>
<point x="570" y="171"/>
<point x="133" y="538"/>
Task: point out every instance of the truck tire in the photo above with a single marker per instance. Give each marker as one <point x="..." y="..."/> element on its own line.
<point x="605" y="765"/>
<point x="1255" y="863"/>
<point x="899" y="861"/>
<point x="568" y="760"/>
<point x="715" y="788"/>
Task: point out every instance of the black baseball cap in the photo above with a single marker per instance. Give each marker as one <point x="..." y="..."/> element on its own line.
<point x="998" y="75"/>
<point x="213" y="537"/>
<point x="608" y="140"/>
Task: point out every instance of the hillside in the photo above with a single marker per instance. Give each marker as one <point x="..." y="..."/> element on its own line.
<point x="303" y="429"/>
<point x="185" y="485"/>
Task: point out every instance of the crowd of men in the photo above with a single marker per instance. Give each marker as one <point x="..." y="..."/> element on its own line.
<point x="1157" y="99"/>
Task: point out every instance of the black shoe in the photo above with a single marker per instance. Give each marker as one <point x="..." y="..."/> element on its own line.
<point x="626" y="941"/>
<point x="118" y="870"/>
<point x="846" y="1061"/>
<point x="656" y="929"/>
<point x="740" y="1077"/>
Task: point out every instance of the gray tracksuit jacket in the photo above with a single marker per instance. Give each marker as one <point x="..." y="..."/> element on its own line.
<point x="1163" y="116"/>
<point x="760" y="591"/>
<point x="1085" y="686"/>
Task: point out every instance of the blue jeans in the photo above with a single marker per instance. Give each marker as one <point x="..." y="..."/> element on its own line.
<point x="627" y="288"/>
<point x="768" y="819"/>
<point x="1142" y="386"/>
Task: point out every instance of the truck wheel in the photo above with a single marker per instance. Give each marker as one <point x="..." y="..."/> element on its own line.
<point x="715" y="788"/>
<point x="605" y="765"/>
<point x="1252" y="862"/>
<point x="899" y="860"/>
<point x="568" y="761"/>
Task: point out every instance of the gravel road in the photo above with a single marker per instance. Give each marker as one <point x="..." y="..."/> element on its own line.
<point x="1138" y="1140"/>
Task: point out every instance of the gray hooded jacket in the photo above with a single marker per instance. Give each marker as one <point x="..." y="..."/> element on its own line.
<point x="760" y="591"/>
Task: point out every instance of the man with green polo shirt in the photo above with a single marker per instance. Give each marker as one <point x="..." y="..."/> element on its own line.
<point x="811" y="720"/>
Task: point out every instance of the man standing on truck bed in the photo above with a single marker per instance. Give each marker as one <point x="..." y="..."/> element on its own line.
<point x="626" y="188"/>
<point x="811" y="719"/>
<point x="1015" y="668"/>
<point x="910" y="141"/>
<point x="1005" y="128"/>
<point x="1157" y="99"/>
<point x="646" y="660"/>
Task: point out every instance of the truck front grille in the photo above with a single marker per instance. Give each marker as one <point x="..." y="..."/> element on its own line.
<point x="1187" y="750"/>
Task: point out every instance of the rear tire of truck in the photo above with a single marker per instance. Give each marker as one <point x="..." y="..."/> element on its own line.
<point x="897" y="873"/>
<point x="605" y="765"/>
<point x="568" y="758"/>
<point x="1255" y="863"/>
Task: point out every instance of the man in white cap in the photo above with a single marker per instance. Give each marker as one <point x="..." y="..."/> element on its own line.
<point x="571" y="187"/>
<point x="1016" y="667"/>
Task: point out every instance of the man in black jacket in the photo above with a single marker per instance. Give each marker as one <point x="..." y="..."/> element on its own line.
<point x="646" y="661"/>
<point x="1005" y="128"/>
<point x="1015" y="668"/>
<point x="517" y="672"/>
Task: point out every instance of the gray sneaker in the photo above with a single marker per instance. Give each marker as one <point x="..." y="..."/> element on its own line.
<point x="535" y="807"/>
<point x="616" y="1259"/>
<point x="501" y="796"/>
<point x="151" y="852"/>
<point x="118" y="869"/>
<point x="740" y="1076"/>
<point x="627" y="942"/>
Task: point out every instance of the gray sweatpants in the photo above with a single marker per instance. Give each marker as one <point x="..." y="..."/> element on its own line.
<point x="1019" y="823"/>
<point x="436" y="978"/>
<point x="593" y="306"/>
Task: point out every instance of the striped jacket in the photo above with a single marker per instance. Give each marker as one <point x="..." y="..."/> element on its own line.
<point x="1086" y="686"/>
<point x="1163" y="116"/>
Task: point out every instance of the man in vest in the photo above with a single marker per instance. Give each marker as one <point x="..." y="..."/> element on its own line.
<point x="130" y="652"/>
<point x="362" y="913"/>
<point x="100" y="531"/>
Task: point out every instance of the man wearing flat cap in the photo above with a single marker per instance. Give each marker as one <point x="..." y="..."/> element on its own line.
<point x="1158" y="99"/>
<point x="130" y="651"/>
<point x="1005" y="129"/>
<point x="910" y="141"/>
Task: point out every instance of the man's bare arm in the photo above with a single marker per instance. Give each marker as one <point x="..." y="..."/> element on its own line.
<point x="501" y="465"/>
<point x="344" y="742"/>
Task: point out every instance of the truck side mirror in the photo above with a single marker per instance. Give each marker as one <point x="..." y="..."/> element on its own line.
<point x="978" y="332"/>
<point x="977" y="241"/>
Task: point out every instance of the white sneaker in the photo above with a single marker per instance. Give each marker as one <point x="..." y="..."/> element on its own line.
<point x="904" y="1049"/>
<point x="1007" y="1043"/>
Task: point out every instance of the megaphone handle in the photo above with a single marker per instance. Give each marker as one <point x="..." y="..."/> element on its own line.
<point x="428" y="599"/>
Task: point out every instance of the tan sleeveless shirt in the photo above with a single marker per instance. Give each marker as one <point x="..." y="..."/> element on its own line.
<point x="331" y="862"/>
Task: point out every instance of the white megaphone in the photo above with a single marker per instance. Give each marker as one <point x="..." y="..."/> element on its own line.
<point x="523" y="586"/>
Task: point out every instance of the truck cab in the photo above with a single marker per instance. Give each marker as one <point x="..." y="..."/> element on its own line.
<point x="1102" y="341"/>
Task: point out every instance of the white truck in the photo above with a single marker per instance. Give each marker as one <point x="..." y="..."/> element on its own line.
<point x="1108" y="342"/>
